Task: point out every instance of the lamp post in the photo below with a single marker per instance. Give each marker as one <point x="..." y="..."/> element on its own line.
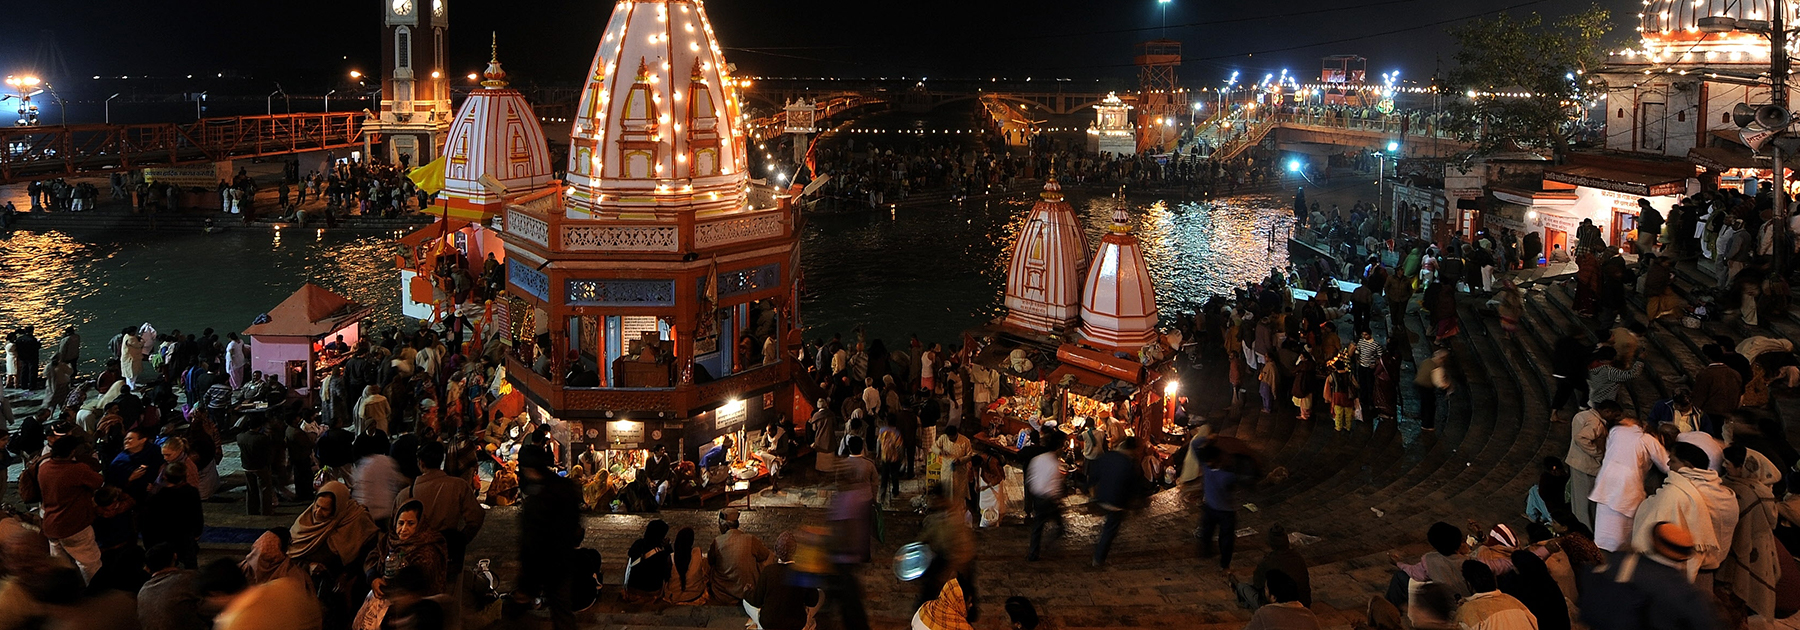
<point x="26" y="87"/>
<point x="328" y="101"/>
<point x="62" y="108"/>
<point x="1164" y="5"/>
<point x="269" y="103"/>
<point x="108" y="108"/>
<point x="198" y="99"/>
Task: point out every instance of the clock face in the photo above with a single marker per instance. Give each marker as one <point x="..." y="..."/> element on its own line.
<point x="437" y="8"/>
<point x="403" y="7"/>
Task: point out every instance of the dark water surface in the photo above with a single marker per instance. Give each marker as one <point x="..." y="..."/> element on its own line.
<point x="933" y="270"/>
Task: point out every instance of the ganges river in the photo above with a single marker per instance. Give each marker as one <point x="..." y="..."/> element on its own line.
<point x="931" y="270"/>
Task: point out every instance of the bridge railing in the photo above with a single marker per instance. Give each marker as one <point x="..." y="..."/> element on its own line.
<point x="28" y="153"/>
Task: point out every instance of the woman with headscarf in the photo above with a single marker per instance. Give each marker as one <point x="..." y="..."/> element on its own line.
<point x="1753" y="568"/>
<point x="1533" y="586"/>
<point x="372" y="410"/>
<point x="689" y="572"/>
<point x="410" y="545"/>
<point x="334" y="531"/>
<point x="268" y="560"/>
<point x="647" y="563"/>
<point x="949" y="611"/>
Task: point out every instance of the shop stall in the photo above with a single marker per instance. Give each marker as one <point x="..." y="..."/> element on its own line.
<point x="306" y="336"/>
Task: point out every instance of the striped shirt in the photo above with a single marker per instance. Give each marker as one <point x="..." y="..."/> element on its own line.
<point x="1368" y="351"/>
<point x="1604" y="381"/>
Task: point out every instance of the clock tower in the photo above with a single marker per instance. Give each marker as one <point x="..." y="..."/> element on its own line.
<point x="415" y="83"/>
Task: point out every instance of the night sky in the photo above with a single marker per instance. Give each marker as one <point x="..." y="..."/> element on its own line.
<point x="309" y="44"/>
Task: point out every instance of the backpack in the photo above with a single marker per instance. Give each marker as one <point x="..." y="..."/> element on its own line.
<point x="891" y="444"/>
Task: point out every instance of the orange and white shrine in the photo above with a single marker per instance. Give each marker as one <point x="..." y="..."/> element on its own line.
<point x="1049" y="264"/>
<point x="653" y="299"/>
<point x="494" y="154"/>
<point x="1118" y="301"/>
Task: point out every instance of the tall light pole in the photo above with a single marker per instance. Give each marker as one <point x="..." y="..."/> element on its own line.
<point x="108" y="107"/>
<point x="1776" y="31"/>
<point x="1164" y="5"/>
<point x="198" y="98"/>
<point x="269" y="103"/>
<point x="328" y="101"/>
<point x="26" y="86"/>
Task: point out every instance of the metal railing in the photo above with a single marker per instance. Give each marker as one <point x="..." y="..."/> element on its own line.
<point x="42" y="152"/>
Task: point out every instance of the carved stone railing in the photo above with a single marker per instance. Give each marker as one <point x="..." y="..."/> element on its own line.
<point x="621" y="238"/>
<point x="752" y="227"/>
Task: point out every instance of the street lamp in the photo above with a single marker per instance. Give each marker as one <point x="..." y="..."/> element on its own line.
<point x="1164" y="5"/>
<point x="198" y="99"/>
<point x="269" y="103"/>
<point x="26" y="87"/>
<point x="108" y="107"/>
<point x="328" y="101"/>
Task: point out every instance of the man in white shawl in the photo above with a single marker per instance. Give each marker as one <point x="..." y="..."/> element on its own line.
<point x="1753" y="567"/>
<point x="1619" y="488"/>
<point x="1691" y="497"/>
<point x="237" y="360"/>
<point x="131" y="359"/>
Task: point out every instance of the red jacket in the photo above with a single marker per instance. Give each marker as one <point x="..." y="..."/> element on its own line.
<point x="68" y="487"/>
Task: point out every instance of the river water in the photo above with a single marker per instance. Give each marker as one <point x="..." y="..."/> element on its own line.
<point x="930" y="270"/>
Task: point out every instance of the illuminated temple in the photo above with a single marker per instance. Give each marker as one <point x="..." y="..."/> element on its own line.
<point x="1118" y="301"/>
<point x="651" y="300"/>
<point x="1049" y="263"/>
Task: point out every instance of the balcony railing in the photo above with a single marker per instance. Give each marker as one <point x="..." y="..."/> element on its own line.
<point x="680" y="399"/>
<point x="549" y="228"/>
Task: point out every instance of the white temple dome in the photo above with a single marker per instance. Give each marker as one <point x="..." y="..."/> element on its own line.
<point x="1118" y="301"/>
<point x="658" y="125"/>
<point x="1049" y="263"/>
<point x="1671" y="29"/>
<point x="495" y="134"/>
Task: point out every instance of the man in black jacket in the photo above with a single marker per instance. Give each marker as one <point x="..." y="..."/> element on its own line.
<point x="1569" y="366"/>
<point x="549" y="532"/>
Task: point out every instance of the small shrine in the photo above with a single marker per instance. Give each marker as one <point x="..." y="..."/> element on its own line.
<point x="1049" y="262"/>
<point x="1118" y="303"/>
<point x="495" y="154"/>
<point x="298" y="338"/>
<point x="1112" y="131"/>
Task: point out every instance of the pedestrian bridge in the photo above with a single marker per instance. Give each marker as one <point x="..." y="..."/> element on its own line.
<point x="1417" y="135"/>
<point x="47" y="152"/>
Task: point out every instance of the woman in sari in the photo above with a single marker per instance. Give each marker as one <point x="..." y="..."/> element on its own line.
<point x="689" y="572"/>
<point x="1753" y="569"/>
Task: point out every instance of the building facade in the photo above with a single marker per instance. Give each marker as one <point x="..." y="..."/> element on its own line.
<point x="414" y="108"/>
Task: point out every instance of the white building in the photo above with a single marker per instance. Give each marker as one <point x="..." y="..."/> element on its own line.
<point x="1112" y="131"/>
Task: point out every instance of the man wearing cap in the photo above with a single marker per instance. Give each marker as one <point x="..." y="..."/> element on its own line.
<point x="1650" y="590"/>
<point x="1693" y="498"/>
<point x="737" y="559"/>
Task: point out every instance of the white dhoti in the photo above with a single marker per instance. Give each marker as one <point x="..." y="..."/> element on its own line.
<point x="1612" y="530"/>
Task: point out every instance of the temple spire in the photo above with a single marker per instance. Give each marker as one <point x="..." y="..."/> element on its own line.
<point x="493" y="77"/>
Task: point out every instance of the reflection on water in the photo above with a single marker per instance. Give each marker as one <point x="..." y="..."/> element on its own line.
<point x="939" y="270"/>
<point x="102" y="282"/>
<point x="935" y="270"/>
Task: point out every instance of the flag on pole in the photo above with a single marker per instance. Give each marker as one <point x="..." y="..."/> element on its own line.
<point x="430" y="177"/>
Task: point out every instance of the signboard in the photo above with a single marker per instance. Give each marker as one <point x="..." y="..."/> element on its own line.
<point x="624" y="434"/>
<point x="196" y="176"/>
<point x="730" y="415"/>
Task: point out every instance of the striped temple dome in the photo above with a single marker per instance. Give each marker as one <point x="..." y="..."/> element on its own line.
<point x="1670" y="31"/>
<point x="1118" y="303"/>
<point x="658" y="129"/>
<point x="494" y="134"/>
<point x="1049" y="262"/>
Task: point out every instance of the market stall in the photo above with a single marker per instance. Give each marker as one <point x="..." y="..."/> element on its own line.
<point x="299" y="338"/>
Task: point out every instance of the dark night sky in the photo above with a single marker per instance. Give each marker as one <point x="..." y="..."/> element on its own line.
<point x="307" y="44"/>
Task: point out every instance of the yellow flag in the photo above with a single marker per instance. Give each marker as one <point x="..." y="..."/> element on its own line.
<point x="429" y="177"/>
